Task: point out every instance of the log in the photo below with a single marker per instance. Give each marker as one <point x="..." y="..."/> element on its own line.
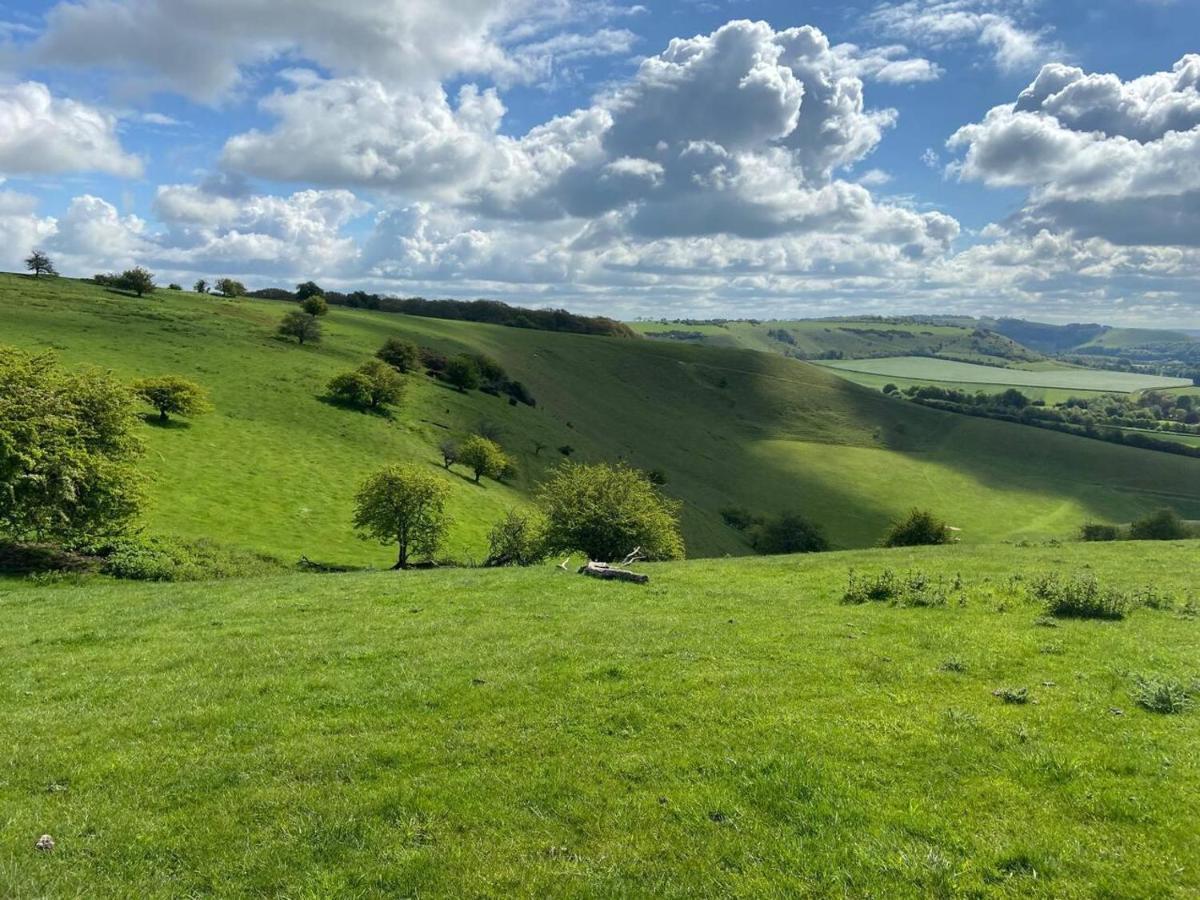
<point x="612" y="573"/>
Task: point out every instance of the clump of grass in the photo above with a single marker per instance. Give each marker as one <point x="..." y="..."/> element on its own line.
<point x="1012" y="694"/>
<point x="1080" y="597"/>
<point x="1052" y="649"/>
<point x="1160" y="694"/>
<point x="910" y="589"/>
<point x="953" y="664"/>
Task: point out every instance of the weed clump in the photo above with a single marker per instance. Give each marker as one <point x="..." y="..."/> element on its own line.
<point x="909" y="589"/>
<point x="1160" y="694"/>
<point x="1012" y="694"/>
<point x="1080" y="597"/>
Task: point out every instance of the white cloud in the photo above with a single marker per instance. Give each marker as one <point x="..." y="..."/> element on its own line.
<point x="21" y="229"/>
<point x="43" y="134"/>
<point x="92" y="234"/>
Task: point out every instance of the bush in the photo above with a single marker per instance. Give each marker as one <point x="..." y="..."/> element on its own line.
<point x="1159" y="694"/>
<point x="516" y="540"/>
<point x="483" y="457"/>
<point x="738" y="517"/>
<point x="788" y="533"/>
<point x="163" y="559"/>
<point x="608" y="512"/>
<point x="911" y="589"/>
<point x="314" y="305"/>
<point x="918" y="529"/>
<point x="137" y="280"/>
<point x="174" y="287"/>
<point x="372" y="385"/>
<point x="401" y="355"/>
<point x="172" y="394"/>
<point x="1164" y="525"/>
<point x="1080" y="597"/>
<point x="1097" y="531"/>
<point x="463" y="372"/>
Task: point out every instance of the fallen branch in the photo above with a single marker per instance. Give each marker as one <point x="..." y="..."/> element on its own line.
<point x="612" y="573"/>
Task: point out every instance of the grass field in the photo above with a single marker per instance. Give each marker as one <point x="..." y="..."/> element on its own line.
<point x="274" y="468"/>
<point x="730" y="730"/>
<point x="943" y="370"/>
<point x="1048" y="395"/>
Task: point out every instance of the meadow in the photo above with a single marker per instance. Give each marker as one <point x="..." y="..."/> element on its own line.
<point x="732" y="729"/>
<point x="929" y="370"/>
<point x="275" y="467"/>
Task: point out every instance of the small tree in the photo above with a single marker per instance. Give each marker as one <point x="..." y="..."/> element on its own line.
<point x="172" y="394"/>
<point x="449" y="450"/>
<point x="231" y="288"/>
<point x="372" y="385"/>
<point x="919" y="528"/>
<point x="137" y="280"/>
<point x="401" y="355"/>
<point x="1099" y="531"/>
<point x="607" y="512"/>
<point x="308" y="289"/>
<point x="483" y="457"/>
<point x="315" y="305"/>
<point x="403" y="505"/>
<point x="1164" y="525"/>
<point x="201" y="286"/>
<point x="174" y="287"/>
<point x="463" y="372"/>
<point x="304" y="328"/>
<point x="516" y="540"/>
<point x="788" y="533"/>
<point x="39" y="264"/>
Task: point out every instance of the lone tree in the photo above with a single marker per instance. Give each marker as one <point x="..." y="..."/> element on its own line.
<point x="449" y="451"/>
<point x="919" y="528"/>
<point x="308" y="289"/>
<point x="372" y="385"/>
<point x="301" y="326"/>
<point x="607" y="512"/>
<point x="483" y="457"/>
<point x="200" y="287"/>
<point x="172" y="394"/>
<point x="463" y="372"/>
<point x="315" y="305"/>
<point x="231" y="288"/>
<point x="403" y="505"/>
<point x="137" y="280"/>
<point x="67" y="450"/>
<point x="39" y="264"/>
<point x="401" y="355"/>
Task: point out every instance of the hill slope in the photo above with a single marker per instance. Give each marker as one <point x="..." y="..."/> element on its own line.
<point x="275" y="468"/>
<point x="730" y="730"/>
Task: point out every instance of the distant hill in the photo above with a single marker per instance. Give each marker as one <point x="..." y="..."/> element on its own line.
<point x="274" y="468"/>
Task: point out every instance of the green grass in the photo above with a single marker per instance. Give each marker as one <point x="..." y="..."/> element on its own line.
<point x="938" y="370"/>
<point x="274" y="468"/>
<point x="732" y="729"/>
<point x="1050" y="396"/>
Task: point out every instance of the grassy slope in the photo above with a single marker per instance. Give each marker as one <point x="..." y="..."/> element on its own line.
<point x="275" y="468"/>
<point x="1135" y="337"/>
<point x="731" y="730"/>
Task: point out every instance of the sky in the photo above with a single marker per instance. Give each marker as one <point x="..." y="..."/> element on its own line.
<point x="691" y="159"/>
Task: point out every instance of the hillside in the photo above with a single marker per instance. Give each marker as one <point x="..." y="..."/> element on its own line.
<point x="731" y="730"/>
<point x="275" y="467"/>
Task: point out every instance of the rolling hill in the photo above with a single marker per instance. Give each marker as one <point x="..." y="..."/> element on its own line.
<point x="275" y="467"/>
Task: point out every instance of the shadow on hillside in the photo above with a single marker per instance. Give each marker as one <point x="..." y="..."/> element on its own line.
<point x="154" y="420"/>
<point x="468" y="478"/>
<point x="376" y="412"/>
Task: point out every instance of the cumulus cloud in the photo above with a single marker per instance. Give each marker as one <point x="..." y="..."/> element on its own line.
<point x="44" y="134"/>
<point x="201" y="48"/>
<point x="1101" y="157"/>
<point x="992" y="24"/>
<point x="21" y="229"/>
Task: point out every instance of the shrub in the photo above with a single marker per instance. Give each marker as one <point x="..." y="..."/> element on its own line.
<point x="372" y="385"/>
<point x="433" y="361"/>
<point x="911" y="589"/>
<point x="401" y="355"/>
<point x="919" y="528"/>
<point x="738" y="517"/>
<point x="463" y="372"/>
<point x="1080" y="597"/>
<point x="172" y="394"/>
<point x="566" y="449"/>
<point x="403" y="505"/>
<point x="1012" y="694"/>
<point x="301" y="326"/>
<point x="137" y="280"/>
<point x="141" y="558"/>
<point x="1164" y="525"/>
<point x="607" y="512"/>
<point x="1159" y="694"/>
<point x="1096" y="531"/>
<point x="174" y="287"/>
<point x="516" y="540"/>
<point x="788" y="533"/>
<point x="482" y="456"/>
<point x="315" y="305"/>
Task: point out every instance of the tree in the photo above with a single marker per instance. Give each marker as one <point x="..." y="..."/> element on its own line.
<point x="463" y="372"/>
<point x="1163" y="525"/>
<point x="516" y="540"/>
<point x="403" y="505"/>
<point x="372" y="385"/>
<point x="231" y="288"/>
<point x="137" y="280"/>
<point x="449" y="451"/>
<point x="201" y="286"/>
<point x="172" y="394"/>
<point x="67" y="450"/>
<point x="308" y="289"/>
<point x="919" y="528"/>
<point x="174" y="287"/>
<point x="483" y="457"/>
<point x="607" y="512"/>
<point x="401" y="355"/>
<point x="315" y="305"/>
<point x="304" y="328"/>
<point x="39" y="264"/>
<point x="788" y="533"/>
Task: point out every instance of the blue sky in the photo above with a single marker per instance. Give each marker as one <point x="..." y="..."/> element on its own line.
<point x="700" y="158"/>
